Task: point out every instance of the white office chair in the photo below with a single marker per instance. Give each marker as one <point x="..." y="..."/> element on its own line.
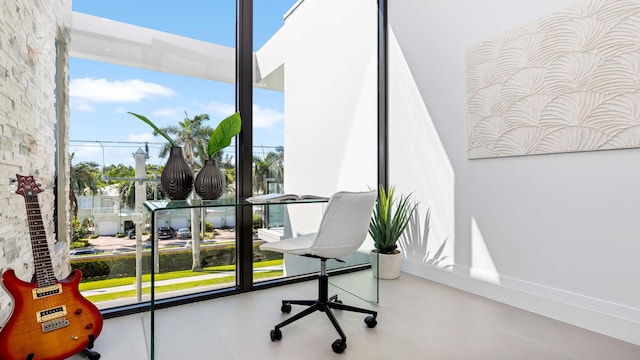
<point x="343" y="228"/>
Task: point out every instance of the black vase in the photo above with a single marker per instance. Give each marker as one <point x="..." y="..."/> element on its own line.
<point x="177" y="176"/>
<point x="210" y="183"/>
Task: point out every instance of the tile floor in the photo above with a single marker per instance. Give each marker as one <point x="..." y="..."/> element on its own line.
<point x="418" y="319"/>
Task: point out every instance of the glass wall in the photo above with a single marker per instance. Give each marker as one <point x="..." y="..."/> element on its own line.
<point x="175" y="65"/>
<point x="321" y="66"/>
<point x="314" y="126"/>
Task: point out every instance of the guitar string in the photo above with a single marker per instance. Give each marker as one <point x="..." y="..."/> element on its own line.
<point x="43" y="268"/>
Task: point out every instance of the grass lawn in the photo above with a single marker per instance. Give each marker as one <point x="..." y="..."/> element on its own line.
<point x="146" y="278"/>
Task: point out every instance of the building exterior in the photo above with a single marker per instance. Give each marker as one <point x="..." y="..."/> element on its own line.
<point x="105" y="212"/>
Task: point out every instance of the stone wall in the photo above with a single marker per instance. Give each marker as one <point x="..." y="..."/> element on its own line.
<point x="34" y="37"/>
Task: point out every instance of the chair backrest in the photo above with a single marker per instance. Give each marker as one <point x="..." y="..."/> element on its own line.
<point x="344" y="224"/>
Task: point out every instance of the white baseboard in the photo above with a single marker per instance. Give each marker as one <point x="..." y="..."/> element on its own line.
<point x="604" y="317"/>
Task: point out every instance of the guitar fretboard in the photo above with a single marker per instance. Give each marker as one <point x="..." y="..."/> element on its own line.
<point x="41" y="256"/>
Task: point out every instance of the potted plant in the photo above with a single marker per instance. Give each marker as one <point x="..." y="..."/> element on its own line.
<point x="177" y="176"/>
<point x="210" y="182"/>
<point x="389" y="220"/>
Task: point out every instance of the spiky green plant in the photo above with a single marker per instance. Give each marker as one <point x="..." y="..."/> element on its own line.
<point x="390" y="219"/>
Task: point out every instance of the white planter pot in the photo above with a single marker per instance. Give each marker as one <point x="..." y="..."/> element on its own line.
<point x="386" y="266"/>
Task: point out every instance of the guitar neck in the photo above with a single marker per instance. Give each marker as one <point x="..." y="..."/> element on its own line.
<point x="41" y="256"/>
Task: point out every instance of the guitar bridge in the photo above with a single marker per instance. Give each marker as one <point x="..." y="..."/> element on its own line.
<point x="54" y="324"/>
<point x="46" y="291"/>
<point x="51" y="314"/>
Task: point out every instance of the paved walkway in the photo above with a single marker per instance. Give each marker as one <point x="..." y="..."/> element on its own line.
<point x="110" y="243"/>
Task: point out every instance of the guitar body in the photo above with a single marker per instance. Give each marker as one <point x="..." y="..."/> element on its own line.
<point x="37" y="325"/>
<point x="50" y="319"/>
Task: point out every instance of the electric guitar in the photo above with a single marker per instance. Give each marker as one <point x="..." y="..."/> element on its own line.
<point x="50" y="319"/>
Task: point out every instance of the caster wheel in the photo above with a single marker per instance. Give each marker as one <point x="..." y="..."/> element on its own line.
<point x="370" y="321"/>
<point x="337" y="301"/>
<point x="286" y="308"/>
<point x="338" y="346"/>
<point x="276" y="335"/>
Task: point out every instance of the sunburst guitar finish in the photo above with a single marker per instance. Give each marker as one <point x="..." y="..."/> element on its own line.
<point x="50" y="319"/>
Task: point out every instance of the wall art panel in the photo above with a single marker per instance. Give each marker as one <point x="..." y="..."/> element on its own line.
<point x="568" y="82"/>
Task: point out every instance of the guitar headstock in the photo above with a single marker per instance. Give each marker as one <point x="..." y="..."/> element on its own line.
<point x="27" y="186"/>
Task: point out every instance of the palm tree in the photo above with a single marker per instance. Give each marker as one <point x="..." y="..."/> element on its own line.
<point x="193" y="136"/>
<point x="261" y="169"/>
<point x="127" y="190"/>
<point x="82" y="178"/>
<point x="119" y="171"/>
<point x="271" y="166"/>
<point x="277" y="162"/>
<point x="228" y="167"/>
<point x="155" y="172"/>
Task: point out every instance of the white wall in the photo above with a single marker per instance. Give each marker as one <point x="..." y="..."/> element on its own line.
<point x="330" y="68"/>
<point x="555" y="234"/>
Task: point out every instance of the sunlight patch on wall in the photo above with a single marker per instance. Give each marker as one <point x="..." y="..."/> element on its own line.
<point x="420" y="165"/>
<point x="482" y="265"/>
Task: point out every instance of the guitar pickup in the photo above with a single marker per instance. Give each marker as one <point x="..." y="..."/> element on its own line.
<point x="39" y="293"/>
<point x="54" y="324"/>
<point x="51" y="314"/>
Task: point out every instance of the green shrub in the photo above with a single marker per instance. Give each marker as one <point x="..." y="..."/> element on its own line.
<point x="79" y="244"/>
<point x="93" y="236"/>
<point x="125" y="265"/>
<point x="78" y="230"/>
<point x="257" y="222"/>
<point x="93" y="268"/>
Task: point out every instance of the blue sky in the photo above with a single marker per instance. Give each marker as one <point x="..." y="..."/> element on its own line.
<point x="101" y="94"/>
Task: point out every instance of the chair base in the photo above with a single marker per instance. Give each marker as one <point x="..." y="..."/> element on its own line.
<point x="323" y="304"/>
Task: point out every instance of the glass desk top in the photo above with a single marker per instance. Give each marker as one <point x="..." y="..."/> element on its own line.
<point x="154" y="205"/>
<point x="163" y="212"/>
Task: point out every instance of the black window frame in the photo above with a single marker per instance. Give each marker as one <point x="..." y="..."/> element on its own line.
<point x="244" y="186"/>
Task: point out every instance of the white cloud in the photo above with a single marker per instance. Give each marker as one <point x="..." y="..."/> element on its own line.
<point x="81" y="105"/>
<point x="105" y="153"/>
<point x="218" y="110"/>
<point x="262" y="117"/>
<point x="87" y="152"/>
<point x="102" y="90"/>
<point x="266" y="117"/>
<point x="146" y="137"/>
<point x="168" y="112"/>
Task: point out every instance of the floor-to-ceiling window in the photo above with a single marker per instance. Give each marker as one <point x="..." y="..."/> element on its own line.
<point x="323" y="62"/>
<point x="313" y="122"/>
<point x="173" y="65"/>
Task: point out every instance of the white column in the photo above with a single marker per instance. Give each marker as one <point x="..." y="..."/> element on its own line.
<point x="141" y="195"/>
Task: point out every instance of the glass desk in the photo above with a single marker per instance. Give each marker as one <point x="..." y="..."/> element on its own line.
<point x="174" y="279"/>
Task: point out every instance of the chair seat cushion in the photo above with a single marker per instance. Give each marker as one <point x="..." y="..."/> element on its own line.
<point x="299" y="245"/>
